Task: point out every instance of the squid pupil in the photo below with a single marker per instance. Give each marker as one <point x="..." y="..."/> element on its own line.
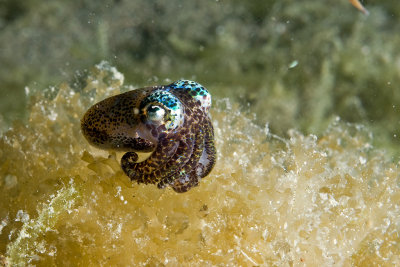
<point x="155" y="113"/>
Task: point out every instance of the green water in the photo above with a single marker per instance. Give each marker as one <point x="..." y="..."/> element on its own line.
<point x="296" y="65"/>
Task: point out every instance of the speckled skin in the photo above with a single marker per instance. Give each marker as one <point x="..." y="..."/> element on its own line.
<point x="172" y="121"/>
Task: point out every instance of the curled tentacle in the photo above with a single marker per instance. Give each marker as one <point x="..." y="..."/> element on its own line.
<point x="181" y="155"/>
<point x="128" y="161"/>
<point x="142" y="172"/>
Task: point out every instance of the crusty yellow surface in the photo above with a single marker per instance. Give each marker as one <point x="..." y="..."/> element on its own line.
<point x="331" y="200"/>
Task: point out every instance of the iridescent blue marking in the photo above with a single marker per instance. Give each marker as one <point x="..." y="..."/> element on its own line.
<point x="196" y="90"/>
<point x="166" y="98"/>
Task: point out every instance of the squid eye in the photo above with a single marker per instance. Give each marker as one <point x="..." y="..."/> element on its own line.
<point x="163" y="108"/>
<point x="155" y="113"/>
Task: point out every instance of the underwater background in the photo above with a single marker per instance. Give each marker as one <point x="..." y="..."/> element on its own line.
<point x="306" y="107"/>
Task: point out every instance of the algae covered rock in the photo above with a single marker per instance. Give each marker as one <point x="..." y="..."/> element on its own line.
<point x="269" y="200"/>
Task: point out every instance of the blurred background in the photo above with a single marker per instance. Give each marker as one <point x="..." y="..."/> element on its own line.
<point x="294" y="64"/>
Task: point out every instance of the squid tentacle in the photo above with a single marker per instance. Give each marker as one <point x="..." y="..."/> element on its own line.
<point x="190" y="164"/>
<point x="141" y="171"/>
<point x="210" y="154"/>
